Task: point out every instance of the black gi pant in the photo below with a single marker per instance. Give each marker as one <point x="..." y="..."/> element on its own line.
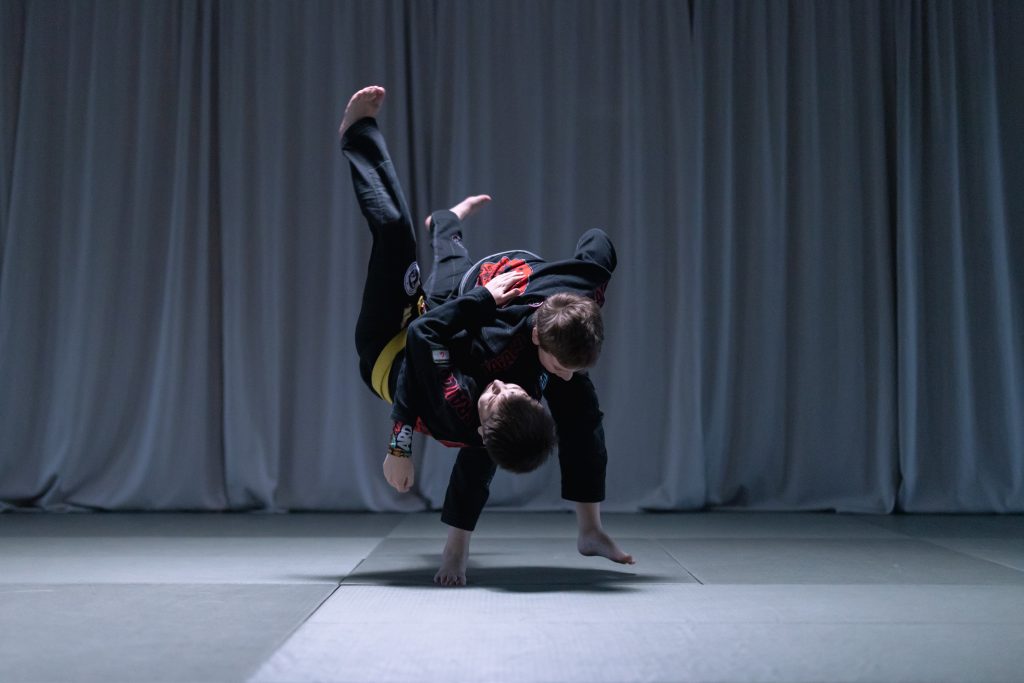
<point x="389" y="299"/>
<point x="392" y="288"/>
<point x="392" y="276"/>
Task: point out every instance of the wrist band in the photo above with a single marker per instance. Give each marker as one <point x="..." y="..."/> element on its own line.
<point x="401" y="441"/>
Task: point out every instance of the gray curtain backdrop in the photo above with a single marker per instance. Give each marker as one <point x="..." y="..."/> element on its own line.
<point x="818" y="208"/>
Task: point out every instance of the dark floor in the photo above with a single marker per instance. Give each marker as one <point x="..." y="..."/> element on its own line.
<point x="713" y="597"/>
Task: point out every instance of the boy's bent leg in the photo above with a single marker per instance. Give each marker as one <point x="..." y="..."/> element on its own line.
<point x="451" y="260"/>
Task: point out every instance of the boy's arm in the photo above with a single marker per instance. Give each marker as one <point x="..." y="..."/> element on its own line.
<point x="440" y="325"/>
<point x="398" y="467"/>
<point x="429" y="384"/>
<point x="428" y="344"/>
<point x="581" y="448"/>
<point x="597" y="247"/>
<point x="587" y="273"/>
<point x="432" y="392"/>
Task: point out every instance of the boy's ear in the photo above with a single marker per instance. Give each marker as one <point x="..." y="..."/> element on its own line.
<point x="480" y="430"/>
<point x="535" y="336"/>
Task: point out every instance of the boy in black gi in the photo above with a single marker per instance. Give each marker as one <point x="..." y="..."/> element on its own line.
<point x="486" y="334"/>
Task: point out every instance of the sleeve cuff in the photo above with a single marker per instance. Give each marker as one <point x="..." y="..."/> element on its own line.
<point x="484" y="300"/>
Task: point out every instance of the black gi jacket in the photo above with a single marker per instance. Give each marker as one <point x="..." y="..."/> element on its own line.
<point x="454" y="350"/>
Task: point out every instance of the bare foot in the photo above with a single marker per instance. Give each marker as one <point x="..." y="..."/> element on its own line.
<point x="365" y="102"/>
<point x="464" y="209"/>
<point x="454" y="559"/>
<point x="470" y="205"/>
<point x="597" y="542"/>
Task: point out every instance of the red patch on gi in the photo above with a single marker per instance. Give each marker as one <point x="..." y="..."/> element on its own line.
<point x="489" y="271"/>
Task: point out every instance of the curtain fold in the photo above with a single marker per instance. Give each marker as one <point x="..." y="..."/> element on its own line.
<point x="961" y="293"/>
<point x="110" y="394"/>
<point x="797" y="321"/>
<point x="819" y="300"/>
<point x="301" y="429"/>
<point x="12" y="46"/>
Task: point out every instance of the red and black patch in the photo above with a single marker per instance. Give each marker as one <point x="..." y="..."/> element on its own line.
<point x="489" y="271"/>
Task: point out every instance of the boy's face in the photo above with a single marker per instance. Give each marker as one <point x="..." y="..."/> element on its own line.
<point x="551" y="363"/>
<point x="494" y="394"/>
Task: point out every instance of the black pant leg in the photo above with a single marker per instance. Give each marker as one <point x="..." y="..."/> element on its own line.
<point x="582" y="455"/>
<point x="392" y="277"/>
<point x="451" y="260"/>
<point x="468" y="488"/>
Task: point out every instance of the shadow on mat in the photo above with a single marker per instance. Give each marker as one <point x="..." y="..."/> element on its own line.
<point x="509" y="579"/>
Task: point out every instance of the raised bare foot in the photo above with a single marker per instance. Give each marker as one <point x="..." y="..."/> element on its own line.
<point x="454" y="559"/>
<point x="597" y="542"/>
<point x="464" y="209"/>
<point x="470" y="205"/>
<point x="365" y="102"/>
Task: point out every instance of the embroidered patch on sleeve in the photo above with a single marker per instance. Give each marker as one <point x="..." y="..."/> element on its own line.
<point x="411" y="280"/>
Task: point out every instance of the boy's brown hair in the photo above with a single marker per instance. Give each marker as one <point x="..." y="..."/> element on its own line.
<point x="520" y="434"/>
<point x="570" y="328"/>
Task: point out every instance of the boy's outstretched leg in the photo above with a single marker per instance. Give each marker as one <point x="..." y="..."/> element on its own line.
<point x="392" y="275"/>
<point x="593" y="540"/>
<point x="363" y="103"/>
<point x="454" y="558"/>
